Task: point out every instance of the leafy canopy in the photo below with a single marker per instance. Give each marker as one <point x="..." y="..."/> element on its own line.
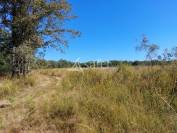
<point x="34" y="23"/>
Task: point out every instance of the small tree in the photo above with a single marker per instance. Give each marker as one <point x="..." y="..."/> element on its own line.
<point x="150" y="49"/>
<point x="174" y="53"/>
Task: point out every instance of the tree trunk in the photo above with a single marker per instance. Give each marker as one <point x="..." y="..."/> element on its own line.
<point x="19" y="65"/>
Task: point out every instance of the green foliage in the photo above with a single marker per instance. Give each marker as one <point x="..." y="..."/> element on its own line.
<point x="44" y="64"/>
<point x="4" y="65"/>
<point x="27" y="25"/>
<point x="53" y="64"/>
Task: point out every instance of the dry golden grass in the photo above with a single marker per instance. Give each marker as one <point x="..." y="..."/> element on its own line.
<point x="125" y="99"/>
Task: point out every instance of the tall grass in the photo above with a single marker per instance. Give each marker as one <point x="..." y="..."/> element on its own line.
<point x="127" y="99"/>
<point x="9" y="87"/>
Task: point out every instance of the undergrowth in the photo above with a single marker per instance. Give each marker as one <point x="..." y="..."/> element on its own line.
<point x="9" y="87"/>
<point x="128" y="99"/>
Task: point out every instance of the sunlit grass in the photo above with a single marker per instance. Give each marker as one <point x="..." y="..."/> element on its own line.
<point x="126" y="99"/>
<point x="9" y="87"/>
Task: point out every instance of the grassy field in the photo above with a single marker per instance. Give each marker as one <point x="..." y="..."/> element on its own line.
<point x="123" y="99"/>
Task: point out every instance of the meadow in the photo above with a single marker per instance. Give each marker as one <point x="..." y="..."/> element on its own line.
<point x="124" y="99"/>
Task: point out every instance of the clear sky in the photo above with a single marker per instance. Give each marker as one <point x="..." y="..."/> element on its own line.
<point x="110" y="28"/>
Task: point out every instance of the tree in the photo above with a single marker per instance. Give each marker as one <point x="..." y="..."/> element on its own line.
<point x="27" y="25"/>
<point x="174" y="52"/>
<point x="4" y="65"/>
<point x="150" y="49"/>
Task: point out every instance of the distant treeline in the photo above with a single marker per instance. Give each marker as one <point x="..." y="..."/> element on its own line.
<point x="112" y="63"/>
<point x="44" y="64"/>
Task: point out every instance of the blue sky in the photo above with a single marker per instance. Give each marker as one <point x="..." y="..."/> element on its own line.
<point x="110" y="28"/>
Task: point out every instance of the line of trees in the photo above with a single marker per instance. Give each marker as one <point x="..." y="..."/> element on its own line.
<point x="44" y="64"/>
<point x="167" y="57"/>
